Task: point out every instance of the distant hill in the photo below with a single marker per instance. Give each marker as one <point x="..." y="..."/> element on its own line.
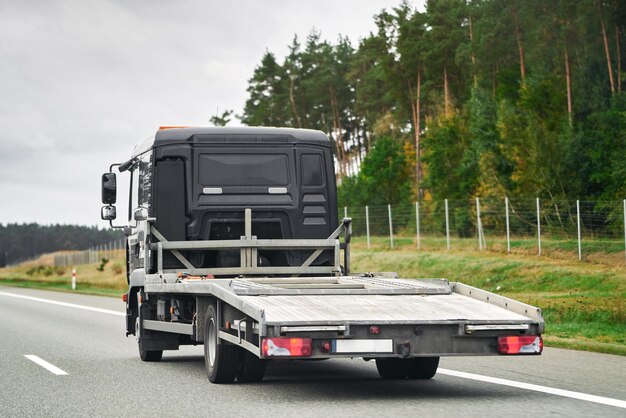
<point x="19" y="242"/>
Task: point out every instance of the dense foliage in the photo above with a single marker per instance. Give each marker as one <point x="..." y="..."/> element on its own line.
<point x="20" y="242"/>
<point x="521" y="98"/>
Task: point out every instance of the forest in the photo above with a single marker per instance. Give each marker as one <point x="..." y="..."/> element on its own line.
<point x="20" y="242"/>
<point x="467" y="98"/>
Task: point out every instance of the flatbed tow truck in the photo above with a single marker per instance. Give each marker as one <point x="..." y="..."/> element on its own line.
<point x="231" y="244"/>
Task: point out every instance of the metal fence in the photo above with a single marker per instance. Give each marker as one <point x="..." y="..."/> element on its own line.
<point x="574" y="228"/>
<point x="531" y="226"/>
<point x="92" y="255"/>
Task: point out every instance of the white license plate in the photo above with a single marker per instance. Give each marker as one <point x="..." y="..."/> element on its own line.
<point x="363" y="346"/>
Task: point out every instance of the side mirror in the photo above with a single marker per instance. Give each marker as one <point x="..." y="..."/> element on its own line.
<point x="108" y="213"/>
<point x="109" y="189"/>
<point x="140" y="214"/>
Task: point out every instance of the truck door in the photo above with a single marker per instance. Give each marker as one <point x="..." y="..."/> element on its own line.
<point x="140" y="196"/>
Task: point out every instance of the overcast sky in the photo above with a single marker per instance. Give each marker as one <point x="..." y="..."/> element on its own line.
<point x="81" y="82"/>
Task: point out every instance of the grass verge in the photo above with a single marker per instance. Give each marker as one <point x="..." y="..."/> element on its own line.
<point x="105" y="278"/>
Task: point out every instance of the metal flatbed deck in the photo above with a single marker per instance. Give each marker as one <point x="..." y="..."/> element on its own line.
<point x="354" y="299"/>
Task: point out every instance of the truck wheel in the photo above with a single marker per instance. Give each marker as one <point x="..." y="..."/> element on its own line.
<point x="392" y="368"/>
<point x="252" y="368"/>
<point x="220" y="360"/>
<point x="143" y="354"/>
<point x="423" y="367"/>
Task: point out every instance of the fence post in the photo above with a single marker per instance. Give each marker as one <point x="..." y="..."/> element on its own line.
<point x="417" y="224"/>
<point x="345" y="211"/>
<point x="538" y="229"/>
<point x="447" y="226"/>
<point x="508" y="230"/>
<point x="580" y="255"/>
<point x="367" y="224"/>
<point x="390" y="226"/>
<point x="478" y="226"/>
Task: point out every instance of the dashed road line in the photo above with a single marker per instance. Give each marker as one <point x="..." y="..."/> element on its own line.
<point x="43" y="363"/>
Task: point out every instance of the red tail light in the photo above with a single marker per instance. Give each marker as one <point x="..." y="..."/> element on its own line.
<point x="286" y="347"/>
<point x="125" y="297"/>
<point x="520" y="344"/>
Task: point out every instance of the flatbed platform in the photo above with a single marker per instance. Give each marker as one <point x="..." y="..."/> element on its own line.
<point x="354" y="299"/>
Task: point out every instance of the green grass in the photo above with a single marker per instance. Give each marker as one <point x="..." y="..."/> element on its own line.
<point x="597" y="250"/>
<point x="61" y="285"/>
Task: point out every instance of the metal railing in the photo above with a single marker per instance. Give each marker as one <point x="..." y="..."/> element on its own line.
<point x="249" y="246"/>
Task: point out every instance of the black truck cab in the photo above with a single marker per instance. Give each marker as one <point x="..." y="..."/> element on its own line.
<point x="195" y="183"/>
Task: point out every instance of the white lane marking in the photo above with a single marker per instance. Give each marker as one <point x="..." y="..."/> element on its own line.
<point x="537" y="388"/>
<point x="67" y="305"/>
<point x="43" y="363"/>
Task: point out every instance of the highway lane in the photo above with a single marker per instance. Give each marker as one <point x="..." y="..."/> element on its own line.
<point x="106" y="378"/>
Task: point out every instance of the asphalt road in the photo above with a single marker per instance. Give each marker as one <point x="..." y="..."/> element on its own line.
<point x="104" y="376"/>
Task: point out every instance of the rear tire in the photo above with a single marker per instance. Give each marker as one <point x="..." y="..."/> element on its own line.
<point x="423" y="367"/>
<point x="251" y="369"/>
<point x="220" y="360"/>
<point x="393" y="368"/>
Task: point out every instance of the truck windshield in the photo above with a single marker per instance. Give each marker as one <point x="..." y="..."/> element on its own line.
<point x="243" y="170"/>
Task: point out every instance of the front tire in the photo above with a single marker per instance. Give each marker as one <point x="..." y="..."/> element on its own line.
<point x="144" y="355"/>
<point x="220" y="360"/>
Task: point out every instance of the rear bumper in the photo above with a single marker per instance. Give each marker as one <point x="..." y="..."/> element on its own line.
<point x="405" y="340"/>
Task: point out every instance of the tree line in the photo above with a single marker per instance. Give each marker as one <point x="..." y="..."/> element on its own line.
<point x="20" y="242"/>
<point x="490" y="98"/>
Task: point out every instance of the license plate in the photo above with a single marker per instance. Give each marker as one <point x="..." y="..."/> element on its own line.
<point x="363" y="346"/>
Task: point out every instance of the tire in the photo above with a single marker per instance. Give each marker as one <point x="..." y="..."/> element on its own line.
<point x="251" y="368"/>
<point x="423" y="367"/>
<point x="393" y="368"/>
<point x="220" y="360"/>
<point x="144" y="355"/>
<point x="150" y="355"/>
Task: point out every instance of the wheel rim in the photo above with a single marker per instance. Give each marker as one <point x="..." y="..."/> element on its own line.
<point x="137" y="329"/>
<point x="212" y="342"/>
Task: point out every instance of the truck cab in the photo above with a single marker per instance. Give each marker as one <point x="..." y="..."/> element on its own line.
<point x="194" y="183"/>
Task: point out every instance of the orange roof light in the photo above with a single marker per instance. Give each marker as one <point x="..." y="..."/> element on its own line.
<point x="162" y="128"/>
